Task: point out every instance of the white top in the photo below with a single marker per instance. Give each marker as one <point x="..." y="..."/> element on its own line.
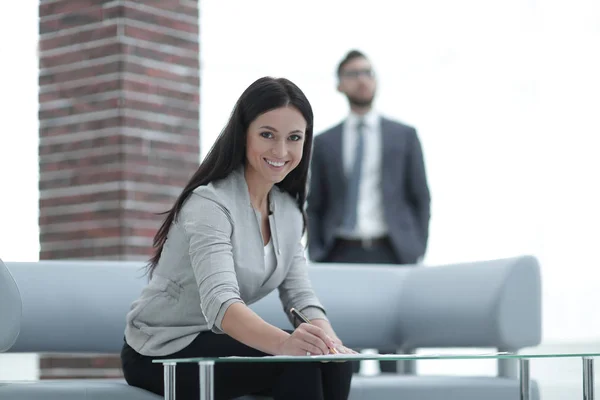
<point x="370" y="222"/>
<point x="270" y="260"/>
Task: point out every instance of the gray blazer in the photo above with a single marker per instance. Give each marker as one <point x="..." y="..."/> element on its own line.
<point x="406" y="197"/>
<point x="214" y="257"/>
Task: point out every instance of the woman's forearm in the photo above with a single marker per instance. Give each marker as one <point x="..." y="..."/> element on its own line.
<point x="245" y="326"/>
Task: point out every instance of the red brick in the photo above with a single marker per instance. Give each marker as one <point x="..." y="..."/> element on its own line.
<point x="151" y="107"/>
<point x="79" y="37"/>
<point x="78" y="253"/>
<point x="82" y="107"/>
<point x="90" y="233"/>
<point x="82" y="179"/>
<point x="92" y="53"/>
<point x="100" y="233"/>
<point x="157" y="55"/>
<point x="150" y="87"/>
<point x="170" y="179"/>
<point x="110" y="67"/>
<point x="119" y="138"/>
<point x="131" y="13"/>
<point x="68" y="6"/>
<point x="81" y="127"/>
<point x="99" y="142"/>
<point x="141" y="253"/>
<point x="156" y="198"/>
<point x="134" y="68"/>
<point x="99" y="215"/>
<point x="137" y="215"/>
<point x="83" y="361"/>
<point x="181" y="130"/>
<point x="87" y="16"/>
<point x="186" y="167"/>
<point x="174" y="6"/>
<point x="82" y="198"/>
<point x="83" y="89"/>
<point x="156" y="36"/>
<point x="82" y="162"/>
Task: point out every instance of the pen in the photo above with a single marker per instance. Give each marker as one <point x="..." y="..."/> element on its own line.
<point x="303" y="318"/>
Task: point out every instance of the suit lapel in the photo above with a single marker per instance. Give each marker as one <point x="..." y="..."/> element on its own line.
<point x="335" y="154"/>
<point x="390" y="151"/>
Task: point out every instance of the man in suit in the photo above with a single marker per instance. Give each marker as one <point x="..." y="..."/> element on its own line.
<point x="368" y="199"/>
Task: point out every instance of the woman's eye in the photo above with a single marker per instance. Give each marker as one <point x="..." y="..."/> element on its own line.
<point x="295" y="138"/>
<point x="266" y="135"/>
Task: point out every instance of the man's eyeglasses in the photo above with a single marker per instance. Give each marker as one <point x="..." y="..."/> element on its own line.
<point x="353" y="74"/>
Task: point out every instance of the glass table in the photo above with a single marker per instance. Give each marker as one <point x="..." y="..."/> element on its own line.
<point x="207" y="367"/>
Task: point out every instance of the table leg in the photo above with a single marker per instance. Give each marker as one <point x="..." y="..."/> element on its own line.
<point x="207" y="390"/>
<point x="169" y="375"/>
<point x="524" y="379"/>
<point x="588" y="378"/>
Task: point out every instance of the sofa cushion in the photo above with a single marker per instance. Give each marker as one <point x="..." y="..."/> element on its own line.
<point x="74" y="390"/>
<point x="10" y="309"/>
<point x="499" y="306"/>
<point x="413" y="387"/>
<point x="383" y="387"/>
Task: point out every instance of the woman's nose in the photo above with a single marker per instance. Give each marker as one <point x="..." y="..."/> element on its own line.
<point x="279" y="149"/>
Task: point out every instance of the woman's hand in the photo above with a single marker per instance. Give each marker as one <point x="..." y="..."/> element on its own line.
<point x="338" y="345"/>
<point x="307" y="338"/>
<point x="341" y="349"/>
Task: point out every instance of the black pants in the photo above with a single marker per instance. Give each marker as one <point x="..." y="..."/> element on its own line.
<point x="282" y="381"/>
<point x="381" y="252"/>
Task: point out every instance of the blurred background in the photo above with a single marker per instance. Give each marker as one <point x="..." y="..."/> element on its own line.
<point x="504" y="95"/>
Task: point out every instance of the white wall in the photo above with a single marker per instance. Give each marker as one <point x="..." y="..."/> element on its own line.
<point x="504" y="96"/>
<point x="19" y="133"/>
<point x="18" y="155"/>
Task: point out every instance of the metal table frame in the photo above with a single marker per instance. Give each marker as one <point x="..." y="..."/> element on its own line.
<point x="207" y="376"/>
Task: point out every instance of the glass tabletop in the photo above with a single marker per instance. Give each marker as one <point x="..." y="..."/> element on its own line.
<point x="378" y="357"/>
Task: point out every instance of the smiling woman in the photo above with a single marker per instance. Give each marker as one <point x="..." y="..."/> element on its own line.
<point x="275" y="144"/>
<point x="234" y="235"/>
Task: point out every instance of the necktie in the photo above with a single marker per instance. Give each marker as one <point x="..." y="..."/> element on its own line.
<point x="351" y="206"/>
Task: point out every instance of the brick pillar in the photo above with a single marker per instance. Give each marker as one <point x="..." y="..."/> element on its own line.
<point x="119" y="126"/>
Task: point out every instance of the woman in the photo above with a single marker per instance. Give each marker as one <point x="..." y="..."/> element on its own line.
<point x="232" y="237"/>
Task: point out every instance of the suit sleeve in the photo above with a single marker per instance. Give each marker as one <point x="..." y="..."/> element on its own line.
<point x="208" y="228"/>
<point x="418" y="188"/>
<point x="315" y="202"/>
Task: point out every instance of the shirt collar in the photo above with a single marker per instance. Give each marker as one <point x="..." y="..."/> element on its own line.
<point x="371" y="119"/>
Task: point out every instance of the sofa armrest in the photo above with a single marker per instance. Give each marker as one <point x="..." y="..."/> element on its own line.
<point x="480" y="304"/>
<point x="10" y="309"/>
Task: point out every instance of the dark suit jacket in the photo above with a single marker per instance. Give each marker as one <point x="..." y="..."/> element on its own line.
<point x="405" y="191"/>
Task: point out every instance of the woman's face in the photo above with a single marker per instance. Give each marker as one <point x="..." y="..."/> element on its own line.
<point x="275" y="143"/>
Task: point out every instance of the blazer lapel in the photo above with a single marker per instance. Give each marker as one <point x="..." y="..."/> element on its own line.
<point x="276" y="238"/>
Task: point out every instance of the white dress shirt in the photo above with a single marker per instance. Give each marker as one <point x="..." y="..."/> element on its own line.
<point x="370" y="216"/>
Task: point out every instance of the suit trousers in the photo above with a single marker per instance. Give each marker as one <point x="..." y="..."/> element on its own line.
<point x="381" y="252"/>
<point x="281" y="380"/>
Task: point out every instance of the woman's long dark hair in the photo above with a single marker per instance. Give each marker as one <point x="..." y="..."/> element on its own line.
<point x="229" y="150"/>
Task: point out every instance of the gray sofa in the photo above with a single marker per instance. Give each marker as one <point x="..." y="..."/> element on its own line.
<point x="79" y="307"/>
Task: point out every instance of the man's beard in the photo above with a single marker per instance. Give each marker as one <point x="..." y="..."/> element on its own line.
<point x="360" y="102"/>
